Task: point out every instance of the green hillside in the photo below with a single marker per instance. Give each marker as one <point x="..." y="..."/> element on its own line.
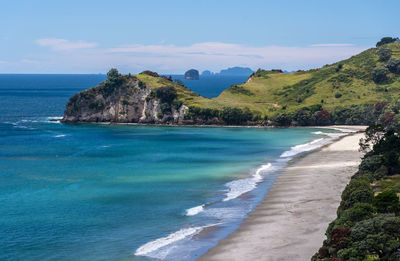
<point x="343" y="83"/>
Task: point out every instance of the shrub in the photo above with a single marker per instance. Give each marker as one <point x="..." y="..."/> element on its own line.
<point x="303" y="117"/>
<point x="376" y="236"/>
<point x="384" y="54"/>
<point x="393" y="65"/>
<point x="359" y="211"/>
<point x="338" y="95"/>
<point x="283" y="119"/>
<point x="371" y="163"/>
<point x="386" y="40"/>
<point x="235" y="115"/>
<point x="179" y="82"/>
<point x="150" y="73"/>
<point x="323" y="117"/>
<point x="379" y="74"/>
<point x="387" y="202"/>
<point x="166" y="94"/>
<point x="339" y="67"/>
<point x="357" y="191"/>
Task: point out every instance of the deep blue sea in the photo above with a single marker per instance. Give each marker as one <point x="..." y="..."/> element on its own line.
<point x="211" y="86"/>
<point x="117" y="192"/>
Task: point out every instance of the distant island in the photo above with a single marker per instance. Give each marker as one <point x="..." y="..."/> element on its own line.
<point x="233" y="71"/>
<point x="192" y="74"/>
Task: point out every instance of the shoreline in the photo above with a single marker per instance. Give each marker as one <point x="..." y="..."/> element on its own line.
<point x="350" y="127"/>
<point x="290" y="222"/>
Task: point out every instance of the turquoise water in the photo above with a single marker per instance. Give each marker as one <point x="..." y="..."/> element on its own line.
<point x="101" y="192"/>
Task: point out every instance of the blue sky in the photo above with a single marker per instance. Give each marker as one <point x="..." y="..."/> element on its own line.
<point x="172" y="36"/>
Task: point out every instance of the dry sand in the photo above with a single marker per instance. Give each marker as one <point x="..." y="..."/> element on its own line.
<point x="290" y="223"/>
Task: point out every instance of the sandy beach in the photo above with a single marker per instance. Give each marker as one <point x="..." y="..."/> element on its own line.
<point x="290" y="223"/>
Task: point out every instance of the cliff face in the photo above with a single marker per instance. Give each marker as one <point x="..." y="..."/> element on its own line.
<point x="127" y="101"/>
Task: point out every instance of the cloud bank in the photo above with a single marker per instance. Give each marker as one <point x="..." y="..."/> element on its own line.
<point x="64" y="56"/>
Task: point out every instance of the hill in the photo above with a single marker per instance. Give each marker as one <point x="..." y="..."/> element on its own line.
<point x="363" y="89"/>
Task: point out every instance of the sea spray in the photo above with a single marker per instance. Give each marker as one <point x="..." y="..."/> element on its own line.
<point x="195" y="210"/>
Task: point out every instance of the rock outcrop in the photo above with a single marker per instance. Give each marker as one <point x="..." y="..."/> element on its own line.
<point x="192" y="74"/>
<point x="126" y="100"/>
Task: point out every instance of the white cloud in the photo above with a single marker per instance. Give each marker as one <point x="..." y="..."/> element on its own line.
<point x="167" y="58"/>
<point x="59" y="44"/>
<point x="217" y="55"/>
<point x="332" y="45"/>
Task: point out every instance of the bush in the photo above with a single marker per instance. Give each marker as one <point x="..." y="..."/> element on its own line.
<point x="150" y="73"/>
<point x="358" y="212"/>
<point x="235" y="115"/>
<point x="376" y="236"/>
<point x="387" y="202"/>
<point x="371" y="163"/>
<point x="323" y="117"/>
<point x="338" y="95"/>
<point x="283" y="119"/>
<point x="339" y="67"/>
<point x="393" y="65"/>
<point x="379" y="74"/>
<point x="304" y="117"/>
<point x="384" y="54"/>
<point x="166" y="94"/>
<point x="357" y="191"/>
<point x="386" y="40"/>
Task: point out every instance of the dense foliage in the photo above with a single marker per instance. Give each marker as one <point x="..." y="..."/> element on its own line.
<point x="367" y="226"/>
<point x="386" y="40"/>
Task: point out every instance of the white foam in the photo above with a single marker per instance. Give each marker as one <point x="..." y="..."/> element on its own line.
<point x="312" y="145"/>
<point x="152" y="246"/>
<point x="60" y="136"/>
<point x="195" y="210"/>
<point x="55" y="119"/>
<point x="318" y="132"/>
<point x="241" y="186"/>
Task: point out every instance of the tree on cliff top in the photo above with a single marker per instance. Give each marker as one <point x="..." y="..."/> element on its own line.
<point x="113" y="77"/>
<point x="386" y="40"/>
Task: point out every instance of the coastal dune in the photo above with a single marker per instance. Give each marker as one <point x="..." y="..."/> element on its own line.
<point x="290" y="223"/>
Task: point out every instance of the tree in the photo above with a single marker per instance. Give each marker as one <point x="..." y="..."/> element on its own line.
<point x="373" y="135"/>
<point x="386" y="40"/>
<point x="323" y="117"/>
<point x="384" y="54"/>
<point x="113" y="77"/>
<point x="393" y="65"/>
<point x="379" y="74"/>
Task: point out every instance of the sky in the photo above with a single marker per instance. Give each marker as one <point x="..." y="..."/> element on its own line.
<point x="92" y="36"/>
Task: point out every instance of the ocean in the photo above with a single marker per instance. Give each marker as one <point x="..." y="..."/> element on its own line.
<point x="119" y="192"/>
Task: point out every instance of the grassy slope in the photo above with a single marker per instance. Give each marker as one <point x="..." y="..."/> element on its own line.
<point x="270" y="93"/>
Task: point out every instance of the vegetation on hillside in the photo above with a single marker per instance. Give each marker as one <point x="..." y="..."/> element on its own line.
<point x="367" y="226"/>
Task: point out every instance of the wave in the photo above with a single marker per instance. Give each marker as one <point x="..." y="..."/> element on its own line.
<point x="54" y="119"/>
<point x="312" y="145"/>
<point x="195" y="210"/>
<point x="241" y="186"/>
<point x="152" y="246"/>
<point x="60" y="136"/>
